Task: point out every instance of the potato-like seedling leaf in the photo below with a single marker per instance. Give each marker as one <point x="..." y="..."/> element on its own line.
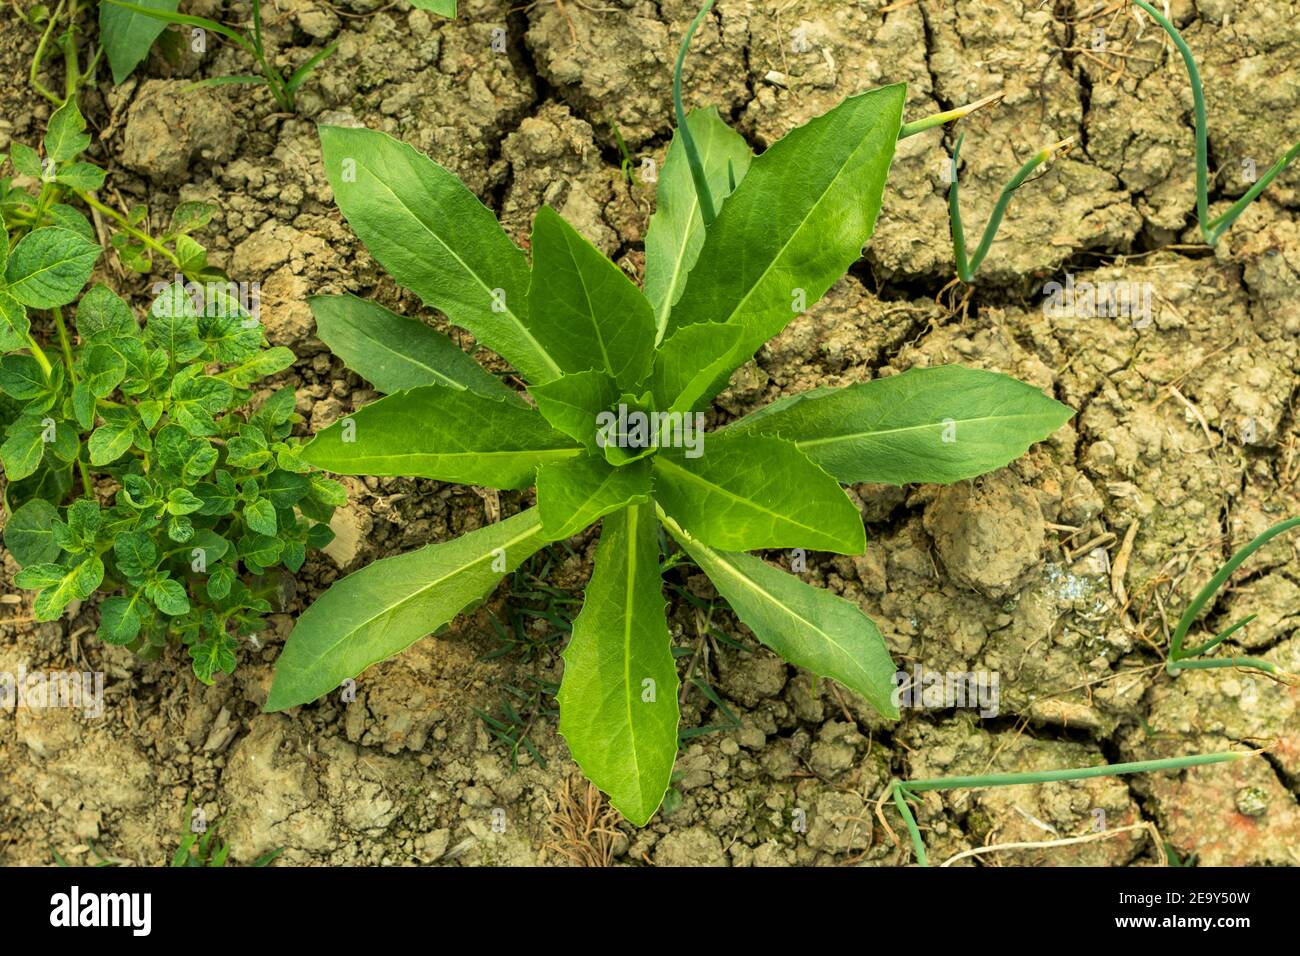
<point x="574" y="494"/>
<point x="260" y="516"/>
<point x="49" y="266"/>
<point x="75" y="584"/>
<point x="798" y="220"/>
<point x="136" y="554"/>
<point x="212" y="656"/>
<point x="65" y="135"/>
<point x="394" y="353"/>
<point x="572" y="402"/>
<point x="933" y="425"/>
<point x="434" y="237"/>
<point x="28" y="534"/>
<point x="809" y="627"/>
<point x="589" y="314"/>
<point x="749" y="492"/>
<point x="21" y="377"/>
<point x="168" y="596"/>
<point x="23" y="448"/>
<point x="375" y="612"/>
<point x="127" y="35"/>
<point x="110" y="441"/>
<point x="676" y="233"/>
<point x="84" y="176"/>
<point x="119" y="618"/>
<point x="440" y="432"/>
<point x="618" y="697"/>
<point x="196" y="399"/>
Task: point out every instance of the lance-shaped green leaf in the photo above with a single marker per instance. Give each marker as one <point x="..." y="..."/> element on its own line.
<point x="434" y="237"/>
<point x="618" y="698"/>
<point x="690" y="362"/>
<point x="933" y="425"/>
<point x="49" y="266"/>
<point x="749" y="492"/>
<point x="127" y="35"/>
<point x="589" y="314"/>
<point x="394" y="353"/>
<point x="807" y="626"/>
<point x="385" y="607"/>
<point x="796" y="223"/>
<point x="576" y="493"/>
<point x="445" y="433"/>
<point x="572" y="402"/>
<point x="676" y="233"/>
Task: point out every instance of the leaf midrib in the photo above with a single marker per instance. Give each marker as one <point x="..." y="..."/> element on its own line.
<point x="853" y="436"/>
<point x="629" y="587"/>
<point x="514" y="453"/>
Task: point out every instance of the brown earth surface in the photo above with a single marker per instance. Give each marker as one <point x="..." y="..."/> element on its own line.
<point x="1186" y="431"/>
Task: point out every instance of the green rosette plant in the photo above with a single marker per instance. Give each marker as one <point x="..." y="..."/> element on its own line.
<point x="611" y="428"/>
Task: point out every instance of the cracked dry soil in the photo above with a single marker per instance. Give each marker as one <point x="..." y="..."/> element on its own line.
<point x="1186" y="431"/>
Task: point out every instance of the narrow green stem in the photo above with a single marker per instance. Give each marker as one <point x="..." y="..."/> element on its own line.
<point x="1080" y="773"/>
<point x="1221" y="224"/>
<point x="49" y="191"/>
<point x="126" y="227"/>
<point x="89" y="72"/>
<point x="1211" y="230"/>
<point x="1202" y="133"/>
<point x="64" y="343"/>
<point x="38" y="353"/>
<point x="950" y="116"/>
<point x="900" y="801"/>
<point x="1203" y="596"/>
<point x="1220" y="637"/>
<point x="68" y="46"/>
<point x="707" y="210"/>
<point x="39" y="57"/>
<point x="257" y="25"/>
<point x="1211" y="663"/>
<point x="966" y="270"/>
<point x="902" y="789"/>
